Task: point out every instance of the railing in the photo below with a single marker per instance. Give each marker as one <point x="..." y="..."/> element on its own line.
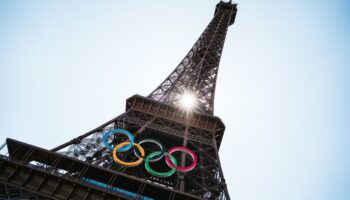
<point x="48" y="173"/>
<point x="3" y="151"/>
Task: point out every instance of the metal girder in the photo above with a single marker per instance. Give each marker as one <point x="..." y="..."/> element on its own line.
<point x="197" y="72"/>
<point x="8" y="192"/>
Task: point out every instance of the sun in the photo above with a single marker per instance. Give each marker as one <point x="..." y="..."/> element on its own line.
<point x="188" y="101"/>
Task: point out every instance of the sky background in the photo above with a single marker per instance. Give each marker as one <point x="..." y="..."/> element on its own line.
<point x="283" y="88"/>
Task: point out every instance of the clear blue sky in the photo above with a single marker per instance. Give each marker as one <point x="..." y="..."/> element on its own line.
<point x="283" y="86"/>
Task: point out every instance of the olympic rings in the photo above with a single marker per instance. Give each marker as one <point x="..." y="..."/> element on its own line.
<point x="154" y="142"/>
<point x="122" y="131"/>
<point x="160" y="174"/>
<point x="181" y="169"/>
<point x="152" y="157"/>
<point x="128" y="164"/>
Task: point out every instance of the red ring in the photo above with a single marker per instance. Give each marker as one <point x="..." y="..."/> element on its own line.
<point x="179" y="168"/>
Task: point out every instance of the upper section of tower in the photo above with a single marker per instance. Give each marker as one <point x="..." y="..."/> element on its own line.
<point x="191" y="85"/>
<point x="229" y="6"/>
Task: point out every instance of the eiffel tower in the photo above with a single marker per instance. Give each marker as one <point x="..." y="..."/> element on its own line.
<point x="164" y="146"/>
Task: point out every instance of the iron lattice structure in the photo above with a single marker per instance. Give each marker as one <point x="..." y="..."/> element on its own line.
<point x="198" y="71"/>
<point x="83" y="168"/>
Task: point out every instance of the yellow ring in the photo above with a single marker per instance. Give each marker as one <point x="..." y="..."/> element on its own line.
<point x="129" y="164"/>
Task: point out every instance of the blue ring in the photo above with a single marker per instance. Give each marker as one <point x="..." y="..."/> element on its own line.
<point x="118" y="130"/>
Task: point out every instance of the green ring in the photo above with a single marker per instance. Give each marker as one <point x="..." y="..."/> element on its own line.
<point x="160" y="174"/>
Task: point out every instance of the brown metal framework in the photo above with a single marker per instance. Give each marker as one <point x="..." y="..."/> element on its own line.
<point x="84" y="169"/>
<point x="197" y="72"/>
